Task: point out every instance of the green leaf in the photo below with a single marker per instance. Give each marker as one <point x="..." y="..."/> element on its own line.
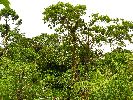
<point x="6" y="3"/>
<point x="131" y="59"/>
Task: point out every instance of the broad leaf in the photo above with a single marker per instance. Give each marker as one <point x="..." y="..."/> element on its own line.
<point x="6" y="3"/>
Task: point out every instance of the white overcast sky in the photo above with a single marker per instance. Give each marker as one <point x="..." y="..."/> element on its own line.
<point x="31" y="11"/>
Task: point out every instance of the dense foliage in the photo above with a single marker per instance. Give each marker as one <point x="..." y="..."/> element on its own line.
<point x="68" y="64"/>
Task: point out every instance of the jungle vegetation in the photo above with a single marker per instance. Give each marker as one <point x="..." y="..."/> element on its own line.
<point x="68" y="64"/>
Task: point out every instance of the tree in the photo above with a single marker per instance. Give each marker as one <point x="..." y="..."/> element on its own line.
<point x="67" y="19"/>
<point x="115" y="76"/>
<point x="70" y="63"/>
<point x="9" y="16"/>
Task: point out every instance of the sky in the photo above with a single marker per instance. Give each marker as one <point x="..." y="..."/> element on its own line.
<point x="30" y="11"/>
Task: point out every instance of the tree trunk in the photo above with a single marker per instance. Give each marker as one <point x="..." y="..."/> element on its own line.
<point x="74" y="58"/>
<point x="20" y="88"/>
